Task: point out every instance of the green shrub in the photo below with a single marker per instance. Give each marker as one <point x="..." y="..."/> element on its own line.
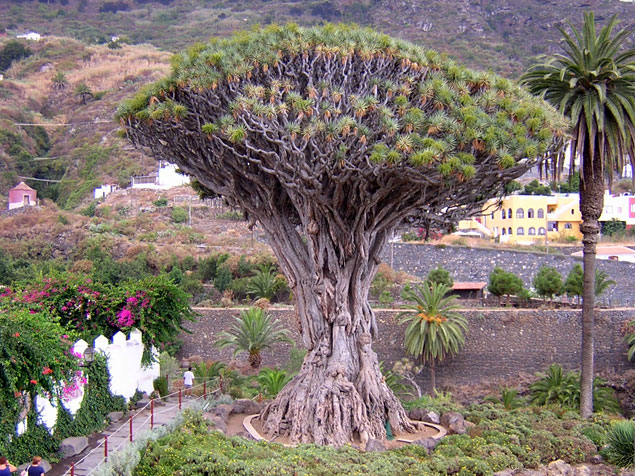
<point x="621" y="444"/>
<point x="409" y="236"/>
<point x="161" y="202"/>
<point x="179" y="215"/>
<point x="563" y="388"/>
<point x="160" y="385"/>
<point x="272" y="381"/>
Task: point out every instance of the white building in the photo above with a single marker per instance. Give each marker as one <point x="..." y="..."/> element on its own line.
<point x="619" y="207"/>
<point x="104" y="190"/>
<point x="31" y="36"/>
<point x="165" y="177"/>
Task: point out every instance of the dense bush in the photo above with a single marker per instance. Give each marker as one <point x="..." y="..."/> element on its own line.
<point x="154" y="305"/>
<point x="563" y="388"/>
<point x="34" y="356"/>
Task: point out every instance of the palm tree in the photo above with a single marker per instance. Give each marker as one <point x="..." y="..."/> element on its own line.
<point x="83" y="91"/>
<point x="435" y="330"/>
<point x="59" y="81"/>
<point x="253" y="331"/>
<point x="593" y="83"/>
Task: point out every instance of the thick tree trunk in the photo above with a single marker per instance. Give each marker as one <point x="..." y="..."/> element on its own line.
<point x="340" y="395"/>
<point x="591" y="204"/>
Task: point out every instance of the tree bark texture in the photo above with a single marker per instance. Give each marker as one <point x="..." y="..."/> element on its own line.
<point x="591" y="204"/>
<point x="339" y="394"/>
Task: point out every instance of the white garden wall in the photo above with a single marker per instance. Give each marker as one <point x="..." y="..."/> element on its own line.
<point x="127" y="375"/>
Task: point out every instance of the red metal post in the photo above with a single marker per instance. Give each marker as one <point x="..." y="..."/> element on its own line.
<point x="205" y="390"/>
<point x="130" y="427"/>
<point x="180" y="398"/>
<point x="106" y="448"/>
<point x="152" y="413"/>
<point x="72" y="469"/>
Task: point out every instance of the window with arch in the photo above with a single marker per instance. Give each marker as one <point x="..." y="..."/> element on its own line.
<point x="509" y="230"/>
<point x="532" y="231"/>
<point x="541" y="213"/>
<point x="542" y="231"/>
<point x="503" y="213"/>
<point x="520" y="230"/>
<point x="509" y="213"/>
<point x="520" y="213"/>
<point x="492" y="215"/>
<point x="530" y="213"/>
<point x="503" y="231"/>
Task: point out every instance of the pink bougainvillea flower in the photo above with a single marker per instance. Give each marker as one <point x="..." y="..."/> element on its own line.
<point x="32" y="311"/>
<point x="33" y="381"/>
<point x="17" y="334"/>
<point x="47" y="371"/>
<point x="125" y="318"/>
<point x="132" y="300"/>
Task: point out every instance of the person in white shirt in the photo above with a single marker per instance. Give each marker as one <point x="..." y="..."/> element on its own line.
<point x="188" y="381"/>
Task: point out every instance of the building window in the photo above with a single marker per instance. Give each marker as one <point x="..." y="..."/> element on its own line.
<point x="572" y="211"/>
<point x="530" y="213"/>
<point x="520" y="213"/>
<point x="567" y="226"/>
<point x="532" y="231"/>
<point x="541" y="213"/>
<point x="503" y="213"/>
<point x="520" y="231"/>
<point x="509" y="213"/>
<point x="503" y="231"/>
<point x="541" y="231"/>
<point x="509" y="231"/>
<point x="492" y="215"/>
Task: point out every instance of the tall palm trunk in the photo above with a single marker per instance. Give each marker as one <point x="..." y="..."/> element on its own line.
<point x="591" y="204"/>
<point x="433" y="377"/>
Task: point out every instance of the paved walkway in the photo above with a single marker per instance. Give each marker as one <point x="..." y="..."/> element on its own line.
<point x="118" y="434"/>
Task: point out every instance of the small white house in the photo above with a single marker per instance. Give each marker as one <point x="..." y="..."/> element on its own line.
<point x="104" y="190"/>
<point x="31" y="36"/>
<point x="165" y="177"/>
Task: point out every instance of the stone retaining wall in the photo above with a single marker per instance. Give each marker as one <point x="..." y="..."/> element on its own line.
<point x="476" y="264"/>
<point x="502" y="343"/>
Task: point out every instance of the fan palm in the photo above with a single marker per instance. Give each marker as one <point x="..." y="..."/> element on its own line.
<point x="253" y="331"/>
<point x="435" y="330"/>
<point x="593" y="83"/>
<point x="59" y="81"/>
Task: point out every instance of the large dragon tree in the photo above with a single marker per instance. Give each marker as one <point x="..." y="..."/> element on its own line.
<point x="329" y="138"/>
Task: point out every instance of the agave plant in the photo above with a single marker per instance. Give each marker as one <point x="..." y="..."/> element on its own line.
<point x="253" y="331"/>
<point x="272" y="381"/>
<point x="620" y="450"/>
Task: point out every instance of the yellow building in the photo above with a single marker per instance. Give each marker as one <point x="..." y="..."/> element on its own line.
<point x="527" y="219"/>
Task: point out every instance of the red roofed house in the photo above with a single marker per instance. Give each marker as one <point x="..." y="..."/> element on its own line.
<point x="469" y="290"/>
<point x="21" y="196"/>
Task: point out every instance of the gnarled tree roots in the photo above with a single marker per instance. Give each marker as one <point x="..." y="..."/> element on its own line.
<point x="323" y="406"/>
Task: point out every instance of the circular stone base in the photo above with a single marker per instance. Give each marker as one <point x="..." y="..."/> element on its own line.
<point x="406" y="439"/>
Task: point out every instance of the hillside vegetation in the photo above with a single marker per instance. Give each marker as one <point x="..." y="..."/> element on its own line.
<point x="501" y="35"/>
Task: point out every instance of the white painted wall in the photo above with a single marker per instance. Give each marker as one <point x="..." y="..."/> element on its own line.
<point x="127" y="375"/>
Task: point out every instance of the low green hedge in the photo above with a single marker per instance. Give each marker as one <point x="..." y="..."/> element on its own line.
<point x="498" y="440"/>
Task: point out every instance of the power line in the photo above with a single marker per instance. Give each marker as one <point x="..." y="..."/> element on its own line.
<point x="39" y="179"/>
<point x="55" y="124"/>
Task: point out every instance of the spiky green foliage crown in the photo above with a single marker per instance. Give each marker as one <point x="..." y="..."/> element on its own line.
<point x="411" y="104"/>
<point x="329" y="100"/>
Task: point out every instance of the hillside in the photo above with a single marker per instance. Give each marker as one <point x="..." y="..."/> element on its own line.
<point x="87" y="151"/>
<point x="502" y="35"/>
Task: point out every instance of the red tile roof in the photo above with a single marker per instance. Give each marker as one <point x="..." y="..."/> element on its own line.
<point x="23" y="186"/>
<point x="458" y="286"/>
